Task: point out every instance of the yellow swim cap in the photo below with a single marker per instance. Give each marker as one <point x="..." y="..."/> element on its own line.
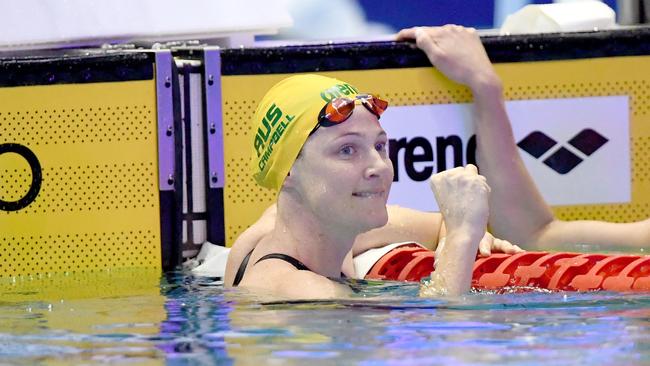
<point x="283" y="121"/>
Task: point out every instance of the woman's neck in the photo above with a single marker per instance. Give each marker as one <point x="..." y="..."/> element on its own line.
<point x="299" y="233"/>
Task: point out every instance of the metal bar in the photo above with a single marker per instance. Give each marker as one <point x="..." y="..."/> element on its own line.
<point x="187" y="134"/>
<point x="212" y="64"/>
<point x="165" y="114"/>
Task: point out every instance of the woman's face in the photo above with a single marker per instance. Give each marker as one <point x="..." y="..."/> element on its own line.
<point x="344" y="174"/>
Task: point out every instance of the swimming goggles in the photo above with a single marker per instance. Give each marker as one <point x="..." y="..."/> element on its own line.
<point x="338" y="110"/>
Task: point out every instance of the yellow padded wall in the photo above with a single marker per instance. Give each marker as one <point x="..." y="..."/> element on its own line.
<point x="98" y="205"/>
<point x="244" y="201"/>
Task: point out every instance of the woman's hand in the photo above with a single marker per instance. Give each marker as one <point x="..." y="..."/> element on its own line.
<point x="456" y="51"/>
<point x="489" y="244"/>
<point x="462" y="195"/>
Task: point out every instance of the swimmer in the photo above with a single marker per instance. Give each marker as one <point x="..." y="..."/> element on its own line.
<point x="518" y="212"/>
<point x="403" y="225"/>
<point x="319" y="142"/>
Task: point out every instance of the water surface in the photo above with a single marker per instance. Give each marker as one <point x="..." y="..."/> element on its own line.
<point x="142" y="317"/>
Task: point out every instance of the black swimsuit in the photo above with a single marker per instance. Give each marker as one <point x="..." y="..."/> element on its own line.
<point x="287" y="258"/>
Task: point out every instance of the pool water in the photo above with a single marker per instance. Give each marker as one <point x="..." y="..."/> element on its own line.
<point x="141" y="317"/>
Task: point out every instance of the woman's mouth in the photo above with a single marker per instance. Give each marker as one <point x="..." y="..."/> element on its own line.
<point x="369" y="194"/>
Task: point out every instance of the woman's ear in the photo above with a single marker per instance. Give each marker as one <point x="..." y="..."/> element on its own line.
<point x="289" y="180"/>
<point x="294" y="171"/>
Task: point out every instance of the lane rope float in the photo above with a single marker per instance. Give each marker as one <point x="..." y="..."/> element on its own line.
<point x="561" y="271"/>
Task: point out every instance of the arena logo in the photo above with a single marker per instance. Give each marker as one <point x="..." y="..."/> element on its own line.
<point x="581" y="157"/>
<point x="419" y="161"/>
<point x="562" y="159"/>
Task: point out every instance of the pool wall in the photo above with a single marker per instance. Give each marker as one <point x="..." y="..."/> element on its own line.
<point x="610" y="64"/>
<point x="88" y="168"/>
<point x="133" y="158"/>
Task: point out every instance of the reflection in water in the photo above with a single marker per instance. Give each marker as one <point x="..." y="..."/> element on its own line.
<point x="81" y="318"/>
<point x="180" y="319"/>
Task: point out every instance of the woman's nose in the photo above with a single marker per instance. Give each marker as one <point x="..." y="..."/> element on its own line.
<point x="378" y="166"/>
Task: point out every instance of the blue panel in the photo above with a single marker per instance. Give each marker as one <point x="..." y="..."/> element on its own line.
<point x="470" y="13"/>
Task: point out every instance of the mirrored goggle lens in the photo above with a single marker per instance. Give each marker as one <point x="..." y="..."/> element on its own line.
<point x="339" y="109"/>
<point x="377" y="105"/>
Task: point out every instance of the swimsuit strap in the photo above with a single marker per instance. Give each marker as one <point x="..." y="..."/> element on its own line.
<point x="287" y="258"/>
<point x="293" y="261"/>
<point x="242" y="269"/>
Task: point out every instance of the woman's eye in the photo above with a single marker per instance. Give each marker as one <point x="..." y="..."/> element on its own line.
<point x="380" y="146"/>
<point x="347" y="150"/>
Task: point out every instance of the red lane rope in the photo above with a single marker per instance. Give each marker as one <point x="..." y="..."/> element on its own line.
<point x="554" y="271"/>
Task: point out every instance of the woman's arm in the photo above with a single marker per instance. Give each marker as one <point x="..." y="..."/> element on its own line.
<point x="462" y="195"/>
<point x="247" y="241"/>
<point x="404" y="224"/>
<point x="631" y="235"/>
<point x="518" y="212"/>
